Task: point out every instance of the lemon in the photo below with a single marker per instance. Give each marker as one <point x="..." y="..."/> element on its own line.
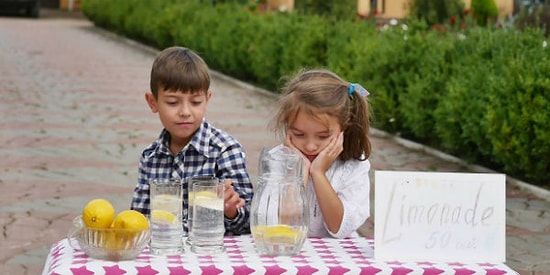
<point x="279" y="230"/>
<point x="280" y="234"/>
<point x="162" y="217"/>
<point x="98" y="213"/>
<point x="259" y="229"/>
<point x="131" y="219"/>
<point x="207" y="194"/>
<point x="127" y="227"/>
<point x="208" y="202"/>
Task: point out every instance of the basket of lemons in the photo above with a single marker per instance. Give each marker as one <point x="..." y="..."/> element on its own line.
<point x="103" y="234"/>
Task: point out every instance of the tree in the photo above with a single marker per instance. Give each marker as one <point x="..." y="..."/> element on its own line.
<point x="484" y="11"/>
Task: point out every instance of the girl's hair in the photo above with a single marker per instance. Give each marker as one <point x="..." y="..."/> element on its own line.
<point x="179" y="69"/>
<point x="323" y="92"/>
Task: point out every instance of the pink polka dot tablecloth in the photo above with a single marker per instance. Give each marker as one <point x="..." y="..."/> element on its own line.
<point x="318" y="256"/>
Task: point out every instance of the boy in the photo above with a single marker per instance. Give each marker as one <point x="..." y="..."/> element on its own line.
<point x="188" y="145"/>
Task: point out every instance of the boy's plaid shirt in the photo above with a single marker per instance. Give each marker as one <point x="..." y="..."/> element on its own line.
<point x="210" y="152"/>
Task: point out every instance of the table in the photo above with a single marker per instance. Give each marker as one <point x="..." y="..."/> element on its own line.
<point x="318" y="256"/>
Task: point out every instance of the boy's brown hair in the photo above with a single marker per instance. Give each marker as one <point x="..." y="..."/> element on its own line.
<point x="179" y="69"/>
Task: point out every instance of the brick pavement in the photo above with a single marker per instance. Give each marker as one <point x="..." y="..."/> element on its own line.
<point x="74" y="121"/>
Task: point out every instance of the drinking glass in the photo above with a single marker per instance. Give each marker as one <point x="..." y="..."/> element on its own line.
<point x="189" y="221"/>
<point x="166" y="197"/>
<point x="206" y="223"/>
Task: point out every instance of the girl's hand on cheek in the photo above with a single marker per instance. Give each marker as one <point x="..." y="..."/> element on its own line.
<point x="328" y="155"/>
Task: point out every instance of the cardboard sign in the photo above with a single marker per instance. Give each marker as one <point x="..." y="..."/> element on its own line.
<point x="434" y="216"/>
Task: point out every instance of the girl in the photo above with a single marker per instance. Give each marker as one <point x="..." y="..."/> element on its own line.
<point x="327" y="120"/>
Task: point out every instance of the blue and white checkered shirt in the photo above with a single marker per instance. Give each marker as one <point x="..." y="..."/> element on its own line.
<point x="210" y="152"/>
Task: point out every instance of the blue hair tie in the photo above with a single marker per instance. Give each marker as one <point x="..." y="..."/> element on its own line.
<point x="355" y="87"/>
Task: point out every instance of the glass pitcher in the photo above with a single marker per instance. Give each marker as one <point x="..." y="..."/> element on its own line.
<point x="279" y="215"/>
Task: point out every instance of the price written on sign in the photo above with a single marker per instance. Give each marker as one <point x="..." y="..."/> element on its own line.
<point x="439" y="216"/>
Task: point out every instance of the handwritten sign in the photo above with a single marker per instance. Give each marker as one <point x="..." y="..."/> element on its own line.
<point x="434" y="216"/>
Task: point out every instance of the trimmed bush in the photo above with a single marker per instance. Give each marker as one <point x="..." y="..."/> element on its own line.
<point x="477" y="92"/>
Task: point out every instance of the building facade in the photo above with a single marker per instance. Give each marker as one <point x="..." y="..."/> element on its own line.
<point x="399" y="8"/>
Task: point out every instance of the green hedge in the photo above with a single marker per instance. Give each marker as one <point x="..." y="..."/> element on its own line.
<point x="480" y="93"/>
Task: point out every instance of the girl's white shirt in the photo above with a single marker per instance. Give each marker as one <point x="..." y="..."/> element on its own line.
<point x="350" y="180"/>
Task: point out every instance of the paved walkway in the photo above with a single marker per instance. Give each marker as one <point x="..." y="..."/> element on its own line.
<point x="74" y="121"/>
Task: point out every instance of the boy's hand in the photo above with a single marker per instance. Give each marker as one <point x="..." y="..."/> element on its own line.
<point x="232" y="200"/>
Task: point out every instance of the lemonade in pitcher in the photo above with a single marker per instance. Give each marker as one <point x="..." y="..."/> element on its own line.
<point x="279" y="239"/>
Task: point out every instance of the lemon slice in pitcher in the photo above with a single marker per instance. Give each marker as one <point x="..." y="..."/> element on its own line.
<point x="280" y="234"/>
